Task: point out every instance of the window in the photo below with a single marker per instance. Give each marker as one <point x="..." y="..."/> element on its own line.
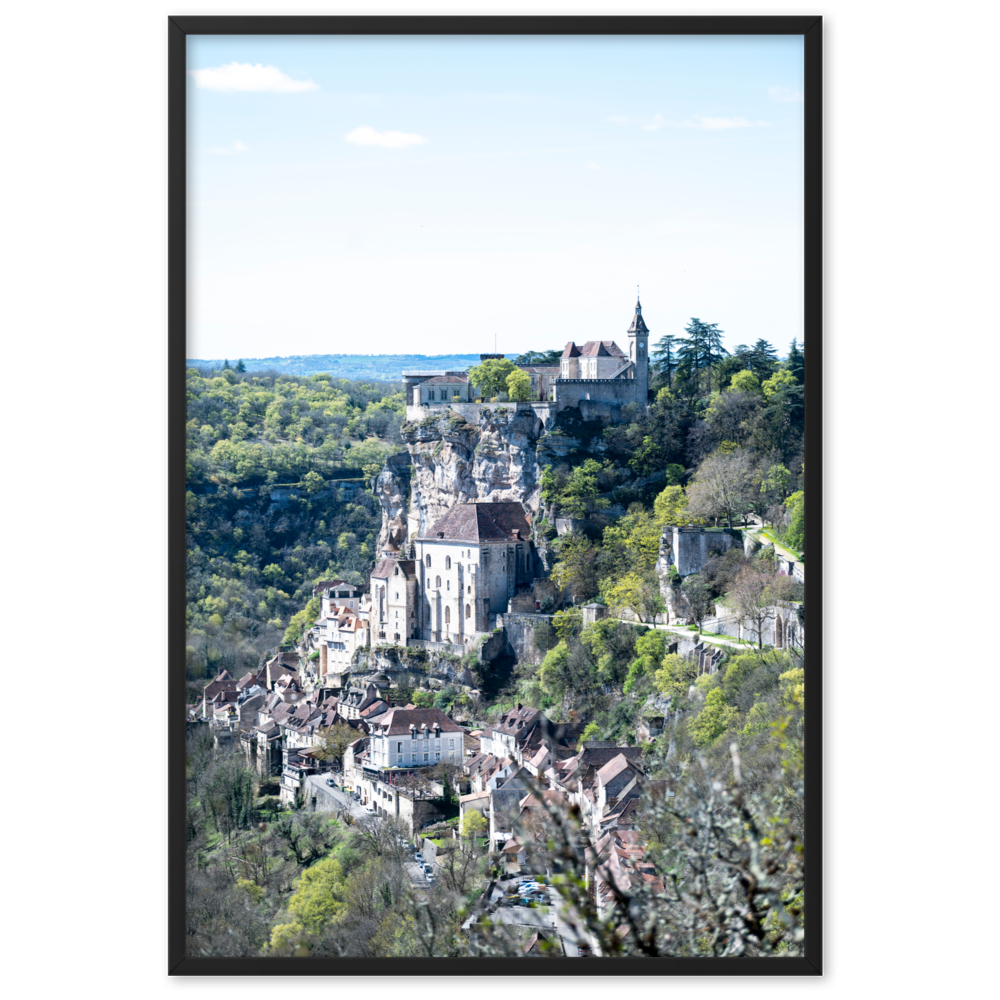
<point x="425" y="758"/>
<point x="399" y="748"/>
<point x="437" y="581"/>
<point x="397" y="595"/>
<point x="447" y="615"/>
<point x="430" y="393"/>
<point x="428" y="560"/>
<point x="468" y="590"/>
<point x="447" y="584"/>
<point x="451" y="744"/>
<point x="468" y="611"/>
<point x="486" y="557"/>
<point x="447" y="562"/>
<point x="437" y="756"/>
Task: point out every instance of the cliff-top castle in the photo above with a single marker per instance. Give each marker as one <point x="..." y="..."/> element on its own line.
<point x="599" y="372"/>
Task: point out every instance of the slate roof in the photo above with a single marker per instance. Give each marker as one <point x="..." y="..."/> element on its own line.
<point x="638" y="323"/>
<point x="482" y="522"/>
<point x="397" y="721"/>
<point x="387" y="567"/>
<point x="602" y="349"/>
<point x="446" y="380"/>
<point x="334" y="584"/>
<point x="570" y="351"/>
<point x="517" y="721"/>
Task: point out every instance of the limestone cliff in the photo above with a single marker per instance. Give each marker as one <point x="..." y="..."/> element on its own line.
<point x="497" y="455"/>
<point x="392" y="489"/>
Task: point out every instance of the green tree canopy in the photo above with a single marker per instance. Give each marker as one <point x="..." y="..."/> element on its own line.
<point x="519" y="384"/>
<point x="490" y="377"/>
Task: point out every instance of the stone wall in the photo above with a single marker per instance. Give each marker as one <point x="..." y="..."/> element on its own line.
<point x="592" y="393"/>
<point x="519" y="630"/>
<point x="783" y="630"/>
<point x="496" y="645"/>
<point x="690" y="548"/>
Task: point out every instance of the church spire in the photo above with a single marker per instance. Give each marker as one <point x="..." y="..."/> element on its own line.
<point x="638" y="323"/>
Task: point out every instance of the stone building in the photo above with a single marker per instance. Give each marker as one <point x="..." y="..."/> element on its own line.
<point x="468" y="566"/>
<point x="598" y="372"/>
<point x="394" y="601"/>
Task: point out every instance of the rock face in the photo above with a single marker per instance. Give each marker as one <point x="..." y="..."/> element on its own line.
<point x="411" y="668"/>
<point x="392" y="488"/>
<point x="453" y="460"/>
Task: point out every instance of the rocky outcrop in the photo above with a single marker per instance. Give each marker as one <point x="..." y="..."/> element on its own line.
<point x="455" y="460"/>
<point x="407" y="667"/>
<point x="392" y="488"/>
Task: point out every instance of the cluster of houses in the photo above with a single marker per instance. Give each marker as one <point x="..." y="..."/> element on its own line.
<point x="510" y="772"/>
<point x="527" y="765"/>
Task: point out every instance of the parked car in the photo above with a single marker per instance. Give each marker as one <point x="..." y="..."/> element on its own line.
<point x="331" y="782"/>
<point x="418" y="857"/>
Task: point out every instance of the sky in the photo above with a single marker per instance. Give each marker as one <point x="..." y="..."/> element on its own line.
<point x="431" y="195"/>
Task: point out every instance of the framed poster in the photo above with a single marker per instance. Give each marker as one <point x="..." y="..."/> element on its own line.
<point x="488" y="430"/>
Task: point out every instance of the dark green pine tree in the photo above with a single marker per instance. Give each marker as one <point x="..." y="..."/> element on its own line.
<point x="226" y="366"/>
<point x="762" y="359"/>
<point x="240" y="367"/>
<point x="664" y="362"/>
<point x="796" y="363"/>
<point x="701" y="350"/>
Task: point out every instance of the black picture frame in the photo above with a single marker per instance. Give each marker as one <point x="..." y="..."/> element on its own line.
<point x="178" y="29"/>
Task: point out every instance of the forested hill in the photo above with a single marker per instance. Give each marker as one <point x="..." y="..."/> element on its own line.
<point x="384" y="367"/>
<point x="277" y="499"/>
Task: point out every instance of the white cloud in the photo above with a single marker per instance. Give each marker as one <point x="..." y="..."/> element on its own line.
<point x="698" y="121"/>
<point x="236" y="147"/>
<point x="249" y="77"/>
<point x="784" y="95"/>
<point x="365" y="135"/>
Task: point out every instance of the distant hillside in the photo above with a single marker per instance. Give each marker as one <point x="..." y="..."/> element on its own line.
<point x="385" y="367"/>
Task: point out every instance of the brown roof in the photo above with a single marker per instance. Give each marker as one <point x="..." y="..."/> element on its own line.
<point x="387" y="567"/>
<point x="614" y="767"/>
<point x="570" y="351"/>
<point x="482" y="522"/>
<point x="602" y="349"/>
<point x="397" y="721"/>
<point x="540" y="369"/>
<point x="445" y="380"/>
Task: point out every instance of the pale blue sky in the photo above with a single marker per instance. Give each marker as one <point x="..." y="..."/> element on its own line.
<point x="425" y="195"/>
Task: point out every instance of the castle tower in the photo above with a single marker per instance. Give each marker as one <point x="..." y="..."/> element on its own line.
<point x="638" y="352"/>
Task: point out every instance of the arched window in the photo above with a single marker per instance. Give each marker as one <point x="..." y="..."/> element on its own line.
<point x="437" y="581"/>
<point x="468" y="611"/>
<point x="447" y="615"/>
<point x="396" y="572"/>
<point x="777" y="633"/>
<point x="447" y="585"/>
<point x="447" y="562"/>
<point x="428" y="559"/>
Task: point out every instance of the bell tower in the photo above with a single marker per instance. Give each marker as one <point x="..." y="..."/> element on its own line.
<point x="638" y="352"/>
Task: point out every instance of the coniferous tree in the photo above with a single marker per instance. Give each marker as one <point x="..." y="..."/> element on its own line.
<point x="226" y="366"/>
<point x="664" y="362"/>
<point x="700" y="351"/>
<point x="240" y="367"/>
<point x="796" y="362"/>
<point x="762" y="359"/>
